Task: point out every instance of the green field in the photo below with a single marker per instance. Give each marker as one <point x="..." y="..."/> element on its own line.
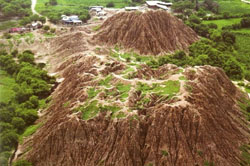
<point x="6" y="84"/>
<point x="8" y="24"/>
<point x="70" y="4"/>
<point x="233" y="7"/>
<point x="223" y="22"/>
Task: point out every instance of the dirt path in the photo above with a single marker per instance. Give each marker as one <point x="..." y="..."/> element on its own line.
<point x="33" y="6"/>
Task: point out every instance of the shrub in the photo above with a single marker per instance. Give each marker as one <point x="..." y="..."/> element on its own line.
<point x="194" y="19"/>
<point x="228" y="37"/>
<point x="181" y="6"/>
<point x="201" y="13"/>
<point x="46" y="28"/>
<point x="52" y="2"/>
<point x="245" y="22"/>
<point x="14" y="53"/>
<point x="6" y="35"/>
<point x="18" y="123"/>
<point x="212" y="26"/>
<point x="52" y="30"/>
<point x="110" y="4"/>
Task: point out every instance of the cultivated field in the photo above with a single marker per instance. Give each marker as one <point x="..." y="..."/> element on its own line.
<point x="233" y="6"/>
<point x="75" y="3"/>
<point x="223" y="22"/>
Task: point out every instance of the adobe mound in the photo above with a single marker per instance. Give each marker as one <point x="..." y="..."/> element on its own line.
<point x="149" y="33"/>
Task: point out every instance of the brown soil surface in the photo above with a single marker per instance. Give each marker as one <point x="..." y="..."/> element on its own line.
<point x="210" y="127"/>
<point x="153" y="32"/>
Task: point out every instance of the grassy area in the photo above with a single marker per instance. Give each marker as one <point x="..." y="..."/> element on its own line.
<point x="90" y="110"/>
<point x="223" y="22"/>
<point x="29" y="131"/>
<point x="233" y="7"/>
<point x="242" y="45"/>
<point x="8" y="24"/>
<point x="6" y="85"/>
<point x="105" y="82"/>
<point x="71" y="4"/>
<point x="123" y="90"/>
<point x="167" y="88"/>
<point x="92" y="92"/>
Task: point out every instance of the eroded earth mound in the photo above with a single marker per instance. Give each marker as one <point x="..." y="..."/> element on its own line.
<point x="153" y="32"/>
<point x="115" y="113"/>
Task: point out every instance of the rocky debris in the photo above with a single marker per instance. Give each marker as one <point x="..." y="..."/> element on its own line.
<point x="163" y="72"/>
<point x="210" y="128"/>
<point x="112" y="68"/>
<point x="153" y="32"/>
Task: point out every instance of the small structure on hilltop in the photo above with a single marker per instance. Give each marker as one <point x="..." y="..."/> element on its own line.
<point x="131" y="8"/>
<point x="71" y="20"/>
<point x="36" y="25"/>
<point x="158" y="4"/>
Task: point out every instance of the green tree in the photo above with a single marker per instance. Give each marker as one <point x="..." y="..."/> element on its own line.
<point x="53" y="2"/>
<point x="110" y="4"/>
<point x="26" y="57"/>
<point x="8" y="140"/>
<point x="18" y="123"/>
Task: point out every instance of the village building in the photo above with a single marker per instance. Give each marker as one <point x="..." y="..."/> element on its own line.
<point x="17" y="30"/>
<point x="158" y="4"/>
<point x="131" y="8"/>
<point x="71" y="20"/>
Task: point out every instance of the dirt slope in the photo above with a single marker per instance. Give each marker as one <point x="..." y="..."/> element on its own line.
<point x="202" y="123"/>
<point x="153" y="32"/>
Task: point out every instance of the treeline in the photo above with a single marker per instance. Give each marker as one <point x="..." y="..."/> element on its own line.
<point x="14" y="8"/>
<point x="216" y="49"/>
<point x="32" y="85"/>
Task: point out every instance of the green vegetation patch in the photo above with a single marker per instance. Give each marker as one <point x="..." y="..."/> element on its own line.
<point x="96" y="28"/>
<point x="91" y="110"/>
<point x="183" y="78"/>
<point x="29" y="131"/>
<point x="245" y="154"/>
<point x="123" y="90"/>
<point x="245" y="108"/>
<point x="223" y="22"/>
<point x="166" y="88"/>
<point x="93" y="92"/>
<point x="233" y="7"/>
<point x="6" y="85"/>
<point x="106" y="82"/>
<point x="8" y="24"/>
<point x="164" y="153"/>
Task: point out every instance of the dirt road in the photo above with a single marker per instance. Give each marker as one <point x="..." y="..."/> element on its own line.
<point x="33" y="6"/>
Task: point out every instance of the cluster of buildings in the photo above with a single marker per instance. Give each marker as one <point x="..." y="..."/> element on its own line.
<point x="153" y="5"/>
<point x="72" y="20"/>
<point x="28" y="27"/>
<point x="98" y="11"/>
<point x="159" y="4"/>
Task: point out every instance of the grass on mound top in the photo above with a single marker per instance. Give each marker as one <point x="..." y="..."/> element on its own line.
<point x="92" y="109"/>
<point x="166" y="88"/>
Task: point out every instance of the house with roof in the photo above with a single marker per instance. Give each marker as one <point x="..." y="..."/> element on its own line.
<point x="73" y="20"/>
<point x="131" y="8"/>
<point x="159" y="5"/>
